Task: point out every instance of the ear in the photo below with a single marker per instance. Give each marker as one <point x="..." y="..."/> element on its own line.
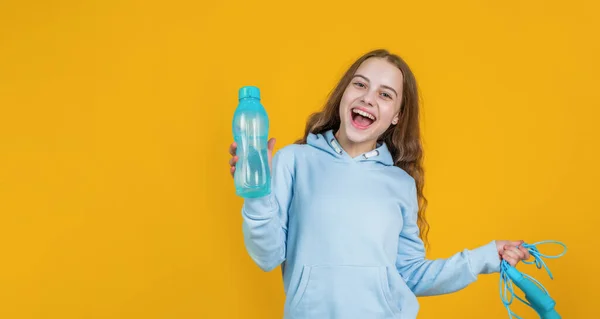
<point x="397" y="115"/>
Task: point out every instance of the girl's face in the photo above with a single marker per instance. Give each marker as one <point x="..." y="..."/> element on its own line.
<point x="371" y="102"/>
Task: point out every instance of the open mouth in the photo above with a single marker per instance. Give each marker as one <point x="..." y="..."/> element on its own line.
<point x="362" y="119"/>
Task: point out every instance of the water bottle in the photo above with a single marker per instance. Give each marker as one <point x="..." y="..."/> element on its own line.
<point x="252" y="176"/>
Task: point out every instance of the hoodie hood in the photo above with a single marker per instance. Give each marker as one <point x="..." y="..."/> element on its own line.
<point x="327" y="142"/>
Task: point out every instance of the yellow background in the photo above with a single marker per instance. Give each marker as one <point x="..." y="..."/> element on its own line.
<point x="115" y="195"/>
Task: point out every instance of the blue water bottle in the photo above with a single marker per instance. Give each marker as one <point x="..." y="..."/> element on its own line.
<point x="252" y="175"/>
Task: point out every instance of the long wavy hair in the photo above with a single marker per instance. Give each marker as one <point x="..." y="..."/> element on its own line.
<point x="402" y="139"/>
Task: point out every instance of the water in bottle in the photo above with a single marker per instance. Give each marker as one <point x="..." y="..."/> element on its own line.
<point x="252" y="175"/>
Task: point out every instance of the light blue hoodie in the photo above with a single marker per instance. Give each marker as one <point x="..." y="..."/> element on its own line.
<point x="344" y="231"/>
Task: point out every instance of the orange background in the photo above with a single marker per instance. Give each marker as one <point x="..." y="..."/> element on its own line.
<point x="115" y="198"/>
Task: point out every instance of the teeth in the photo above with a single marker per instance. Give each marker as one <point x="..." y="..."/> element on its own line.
<point x="363" y="113"/>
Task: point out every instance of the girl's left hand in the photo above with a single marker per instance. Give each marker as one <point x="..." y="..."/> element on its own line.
<point x="507" y="250"/>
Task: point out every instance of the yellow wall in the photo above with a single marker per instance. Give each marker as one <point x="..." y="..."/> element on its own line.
<point x="115" y="198"/>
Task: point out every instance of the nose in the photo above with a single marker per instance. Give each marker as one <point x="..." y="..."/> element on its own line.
<point x="369" y="98"/>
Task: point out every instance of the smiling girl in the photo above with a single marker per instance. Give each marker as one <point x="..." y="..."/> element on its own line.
<point x="345" y="218"/>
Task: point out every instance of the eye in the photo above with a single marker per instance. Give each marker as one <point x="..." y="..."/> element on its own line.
<point x="359" y="84"/>
<point x="385" y="95"/>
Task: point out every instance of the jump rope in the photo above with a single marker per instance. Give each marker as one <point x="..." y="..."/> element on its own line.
<point x="537" y="297"/>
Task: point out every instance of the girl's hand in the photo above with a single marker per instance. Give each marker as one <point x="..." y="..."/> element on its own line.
<point x="507" y="250"/>
<point x="234" y="158"/>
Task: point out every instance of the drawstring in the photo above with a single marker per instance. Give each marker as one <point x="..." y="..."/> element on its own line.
<point x="336" y="146"/>
<point x="371" y="154"/>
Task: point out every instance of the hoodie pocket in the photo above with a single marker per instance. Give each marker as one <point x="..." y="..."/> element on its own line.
<point x="343" y="292"/>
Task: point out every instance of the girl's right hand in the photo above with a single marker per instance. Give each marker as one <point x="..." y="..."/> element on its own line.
<point x="234" y="158"/>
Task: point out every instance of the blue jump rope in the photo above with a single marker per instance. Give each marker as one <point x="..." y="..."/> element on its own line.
<point x="537" y="296"/>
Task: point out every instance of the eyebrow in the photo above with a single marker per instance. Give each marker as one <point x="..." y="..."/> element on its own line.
<point x="385" y="86"/>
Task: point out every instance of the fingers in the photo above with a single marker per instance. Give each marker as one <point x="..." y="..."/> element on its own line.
<point x="510" y="257"/>
<point x="525" y="252"/>
<point x="233" y="159"/>
<point x="517" y="243"/>
<point x="512" y="261"/>
<point x="232" y="149"/>
<point x="271" y="144"/>
<point x="513" y="255"/>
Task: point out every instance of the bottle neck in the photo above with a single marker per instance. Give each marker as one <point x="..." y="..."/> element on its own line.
<point x="249" y="99"/>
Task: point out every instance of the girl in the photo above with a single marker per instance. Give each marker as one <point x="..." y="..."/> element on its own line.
<point x="345" y="218"/>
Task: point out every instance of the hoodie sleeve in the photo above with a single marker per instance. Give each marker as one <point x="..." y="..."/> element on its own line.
<point x="264" y="219"/>
<point x="439" y="276"/>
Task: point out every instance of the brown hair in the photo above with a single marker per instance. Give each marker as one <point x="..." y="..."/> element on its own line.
<point x="402" y="139"/>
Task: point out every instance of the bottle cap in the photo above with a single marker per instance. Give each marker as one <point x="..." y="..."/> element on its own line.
<point x="249" y="91"/>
